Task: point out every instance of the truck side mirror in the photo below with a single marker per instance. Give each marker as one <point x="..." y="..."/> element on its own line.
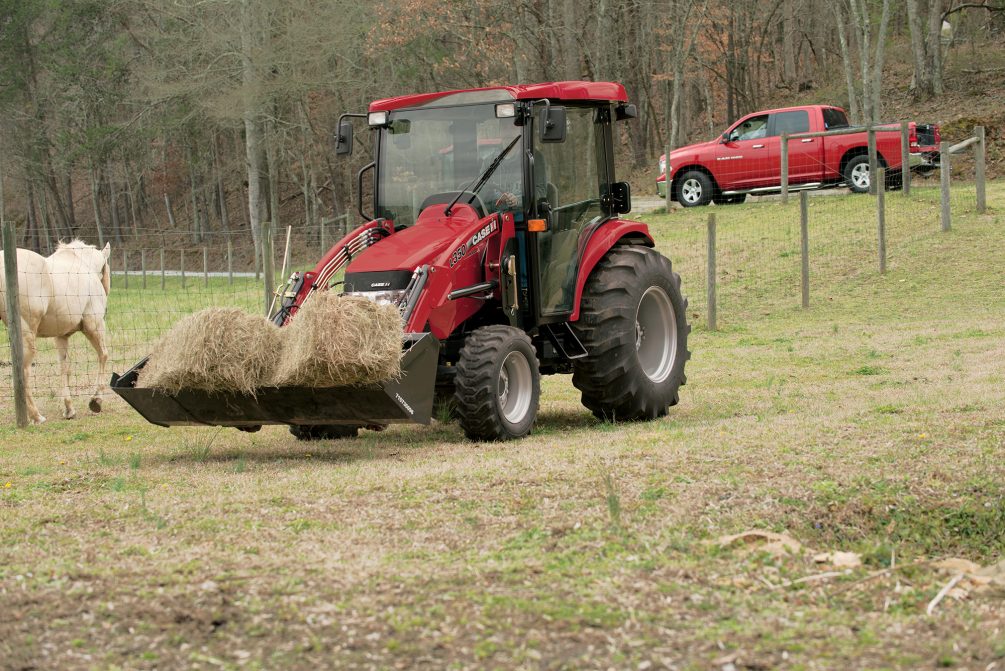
<point x="621" y="198"/>
<point x="725" y="138"/>
<point x="343" y="139"/>
<point x="552" y="122"/>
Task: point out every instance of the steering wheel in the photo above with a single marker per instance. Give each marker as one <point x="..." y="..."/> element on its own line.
<point x="468" y="197"/>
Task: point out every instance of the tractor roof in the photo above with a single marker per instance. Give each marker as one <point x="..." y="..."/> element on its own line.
<point x="573" y="90"/>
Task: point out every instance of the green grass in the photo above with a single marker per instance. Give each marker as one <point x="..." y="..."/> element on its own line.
<point x="869" y="422"/>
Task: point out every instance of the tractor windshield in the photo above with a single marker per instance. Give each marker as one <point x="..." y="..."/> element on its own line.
<point x="428" y="155"/>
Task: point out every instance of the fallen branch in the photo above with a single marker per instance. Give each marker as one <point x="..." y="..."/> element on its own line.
<point x="942" y="593"/>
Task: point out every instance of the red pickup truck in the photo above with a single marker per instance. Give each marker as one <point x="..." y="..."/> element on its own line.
<point x="746" y="159"/>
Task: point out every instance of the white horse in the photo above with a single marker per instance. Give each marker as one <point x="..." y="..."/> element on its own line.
<point x="60" y="295"/>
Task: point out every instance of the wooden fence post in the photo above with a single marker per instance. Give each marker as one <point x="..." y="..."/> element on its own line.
<point x="230" y="261"/>
<point x="13" y="305"/>
<point x="163" y="274"/>
<point x="982" y="204"/>
<point x="710" y="284"/>
<point x="324" y="247"/>
<point x="881" y="220"/>
<point x="143" y="266"/>
<point x="268" y="265"/>
<point x="205" y="267"/>
<point x="667" y="196"/>
<point x="873" y="160"/>
<point x="804" y="246"/>
<point x="944" y="168"/>
<point x="785" y="168"/>
<point x="182" y="258"/>
<point x="905" y="158"/>
<point x="125" y="268"/>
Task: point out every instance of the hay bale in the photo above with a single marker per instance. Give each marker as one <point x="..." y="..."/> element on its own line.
<point x="217" y="349"/>
<point x="340" y="340"/>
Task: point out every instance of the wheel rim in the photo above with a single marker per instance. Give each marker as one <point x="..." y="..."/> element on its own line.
<point x="690" y="190"/>
<point x="860" y="175"/>
<point x="516" y="387"/>
<point x="656" y="334"/>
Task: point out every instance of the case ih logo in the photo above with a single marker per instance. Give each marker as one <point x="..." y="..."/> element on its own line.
<point x="487" y="230"/>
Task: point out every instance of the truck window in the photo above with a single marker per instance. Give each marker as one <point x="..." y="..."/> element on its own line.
<point x="834" y="118"/>
<point x="791" y="122"/>
<point x="751" y="129"/>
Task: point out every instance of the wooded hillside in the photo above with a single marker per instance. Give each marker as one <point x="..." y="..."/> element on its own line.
<point x="128" y="118"/>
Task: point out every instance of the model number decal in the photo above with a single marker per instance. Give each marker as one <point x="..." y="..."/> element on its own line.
<point x="486" y="230"/>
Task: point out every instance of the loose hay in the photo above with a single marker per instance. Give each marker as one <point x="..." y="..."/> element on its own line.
<point x="340" y="340"/>
<point x="217" y="349"/>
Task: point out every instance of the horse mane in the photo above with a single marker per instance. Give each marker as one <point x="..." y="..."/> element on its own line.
<point x="76" y="243"/>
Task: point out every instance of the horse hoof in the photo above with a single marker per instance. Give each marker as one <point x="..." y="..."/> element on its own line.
<point x="70" y="414"/>
<point x="40" y="420"/>
<point x="95" y="405"/>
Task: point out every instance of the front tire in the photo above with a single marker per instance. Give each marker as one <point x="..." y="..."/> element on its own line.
<point x="694" y="188"/>
<point x="498" y="384"/>
<point x="633" y="323"/>
<point x="856" y="173"/>
<point x="323" y="431"/>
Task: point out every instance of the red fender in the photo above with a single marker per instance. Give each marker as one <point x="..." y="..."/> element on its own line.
<point x="594" y="246"/>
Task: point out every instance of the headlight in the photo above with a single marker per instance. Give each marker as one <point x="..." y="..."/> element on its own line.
<point x="390" y="297"/>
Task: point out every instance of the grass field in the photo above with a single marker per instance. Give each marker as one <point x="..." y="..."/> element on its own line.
<point x="872" y="423"/>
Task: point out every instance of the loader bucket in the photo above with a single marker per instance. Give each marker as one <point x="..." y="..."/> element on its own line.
<point x="407" y="399"/>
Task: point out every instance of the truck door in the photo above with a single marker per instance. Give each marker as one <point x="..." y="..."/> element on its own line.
<point x="805" y="154"/>
<point x="743" y="158"/>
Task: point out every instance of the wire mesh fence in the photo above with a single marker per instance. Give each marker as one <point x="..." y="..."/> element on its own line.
<point x="758" y="262"/>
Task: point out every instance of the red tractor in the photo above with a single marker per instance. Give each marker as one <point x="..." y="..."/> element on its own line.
<point x="497" y="232"/>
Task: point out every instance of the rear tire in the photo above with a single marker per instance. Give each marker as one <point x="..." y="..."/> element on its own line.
<point x="323" y="431"/>
<point x="498" y="384"/>
<point x="694" y="188"/>
<point x="633" y="323"/>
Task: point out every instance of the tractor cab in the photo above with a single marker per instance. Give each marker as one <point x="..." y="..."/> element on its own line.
<point x="540" y="154"/>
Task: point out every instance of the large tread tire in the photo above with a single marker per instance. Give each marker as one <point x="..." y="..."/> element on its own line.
<point x="694" y="188"/>
<point x="483" y="385"/>
<point x="613" y="381"/>
<point x="323" y="431"/>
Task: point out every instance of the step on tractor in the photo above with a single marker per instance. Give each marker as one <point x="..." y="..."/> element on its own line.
<point x="496" y="229"/>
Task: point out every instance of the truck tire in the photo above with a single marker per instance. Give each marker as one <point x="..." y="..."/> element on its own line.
<point x="498" y="384"/>
<point x="324" y="431"/>
<point x="633" y="324"/>
<point x="856" y="173"/>
<point x="694" y="188"/>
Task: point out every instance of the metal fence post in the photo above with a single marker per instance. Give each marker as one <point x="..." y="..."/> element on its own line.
<point x="143" y="266"/>
<point x="982" y="204"/>
<point x="13" y="304"/>
<point x="804" y="245"/>
<point x="873" y="160"/>
<point x="268" y="264"/>
<point x="881" y="220"/>
<point x="785" y="168"/>
<point x="944" y="168"/>
<point x="905" y="158"/>
<point x="710" y="284"/>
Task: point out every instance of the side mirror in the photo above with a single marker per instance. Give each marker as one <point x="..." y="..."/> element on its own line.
<point x="626" y="111"/>
<point x="725" y="138"/>
<point x="343" y="140"/>
<point x="552" y="122"/>
<point x="621" y="198"/>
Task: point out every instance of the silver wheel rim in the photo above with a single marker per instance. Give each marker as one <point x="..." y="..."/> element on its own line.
<point x="690" y="190"/>
<point x="656" y="334"/>
<point x="515" y="387"/>
<point x="860" y="175"/>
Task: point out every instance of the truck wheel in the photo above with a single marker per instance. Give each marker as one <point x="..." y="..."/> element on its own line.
<point x="694" y="188"/>
<point x="633" y="323"/>
<point x="856" y="173"/>
<point x="498" y="384"/>
<point x="324" y="431"/>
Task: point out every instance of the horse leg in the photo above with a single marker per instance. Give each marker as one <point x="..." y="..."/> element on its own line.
<point x="62" y="349"/>
<point x="95" y="334"/>
<point x="28" y="338"/>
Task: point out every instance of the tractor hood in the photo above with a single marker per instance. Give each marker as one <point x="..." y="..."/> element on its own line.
<point x="390" y="263"/>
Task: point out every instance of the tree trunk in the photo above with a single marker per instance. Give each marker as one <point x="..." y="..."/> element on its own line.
<point x="849" y="74"/>
<point x="68" y="189"/>
<point x="923" y="86"/>
<point x="570" y="50"/>
<point x="113" y="208"/>
<point x="877" y="67"/>
<point x="97" y="212"/>
<point x="252" y="127"/>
